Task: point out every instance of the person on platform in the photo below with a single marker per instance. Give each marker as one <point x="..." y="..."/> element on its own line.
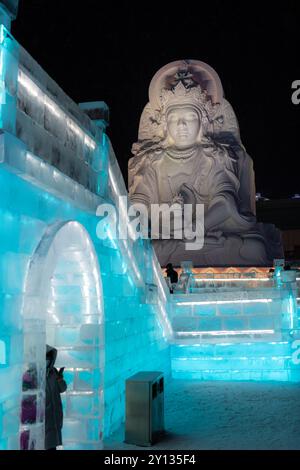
<point x="172" y="275"/>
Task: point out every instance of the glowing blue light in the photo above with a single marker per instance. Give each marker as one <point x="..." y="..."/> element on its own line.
<point x="223" y="302"/>
<point x="2" y="353"/>
<point x="43" y="99"/>
<point x="291" y="310"/>
<point x="225" y="332"/>
<point x="2" y="33"/>
<point x="233" y="279"/>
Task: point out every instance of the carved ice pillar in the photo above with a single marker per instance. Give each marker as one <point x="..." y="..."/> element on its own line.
<point x="98" y="112"/>
<point x="289" y="300"/>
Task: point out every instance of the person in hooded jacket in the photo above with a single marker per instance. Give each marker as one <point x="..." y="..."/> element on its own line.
<point x="55" y="385"/>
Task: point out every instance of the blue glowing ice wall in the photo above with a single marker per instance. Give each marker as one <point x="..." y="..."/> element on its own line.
<point x="59" y="283"/>
<point x="237" y="328"/>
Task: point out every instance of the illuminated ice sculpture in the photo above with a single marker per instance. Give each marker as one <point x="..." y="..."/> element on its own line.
<point x="189" y="151"/>
<point x="58" y="281"/>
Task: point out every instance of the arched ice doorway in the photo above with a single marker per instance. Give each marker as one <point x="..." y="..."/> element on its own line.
<point x="63" y="307"/>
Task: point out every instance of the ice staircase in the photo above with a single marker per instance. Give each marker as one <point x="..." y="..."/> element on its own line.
<point x="235" y="329"/>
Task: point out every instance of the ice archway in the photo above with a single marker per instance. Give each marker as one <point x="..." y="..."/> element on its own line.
<point x="63" y="307"/>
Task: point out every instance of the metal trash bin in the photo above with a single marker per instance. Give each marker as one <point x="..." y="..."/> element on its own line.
<point x="144" y="408"/>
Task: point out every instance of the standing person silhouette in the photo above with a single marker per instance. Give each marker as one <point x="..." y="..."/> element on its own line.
<point x="172" y="275"/>
<point x="55" y="385"/>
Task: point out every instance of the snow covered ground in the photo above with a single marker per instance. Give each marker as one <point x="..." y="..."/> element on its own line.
<point x="227" y="415"/>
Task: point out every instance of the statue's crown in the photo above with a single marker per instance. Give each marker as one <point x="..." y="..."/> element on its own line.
<point x="180" y="94"/>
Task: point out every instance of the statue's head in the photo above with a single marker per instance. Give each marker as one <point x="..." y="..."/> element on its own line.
<point x="186" y="105"/>
<point x="183" y="126"/>
<point x="185" y="91"/>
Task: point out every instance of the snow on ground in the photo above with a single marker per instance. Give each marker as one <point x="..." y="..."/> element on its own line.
<point x="227" y="415"/>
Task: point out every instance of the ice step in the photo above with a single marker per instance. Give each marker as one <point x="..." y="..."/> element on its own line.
<point x="250" y="349"/>
<point x="240" y="361"/>
<point x="239" y="375"/>
<point x="230" y="323"/>
<point x="258" y="315"/>
<point x="189" y="338"/>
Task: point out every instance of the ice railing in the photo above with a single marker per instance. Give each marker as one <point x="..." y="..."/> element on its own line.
<point x="228" y="281"/>
<point x="190" y="283"/>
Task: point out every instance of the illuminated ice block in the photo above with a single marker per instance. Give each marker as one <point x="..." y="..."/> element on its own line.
<point x="82" y="404"/>
<point x="3" y="354"/>
<point x="55" y="166"/>
<point x="87" y="379"/>
<point x="10" y="381"/>
<point x="75" y="430"/>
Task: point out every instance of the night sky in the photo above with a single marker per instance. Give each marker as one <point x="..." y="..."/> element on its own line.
<point x="109" y="51"/>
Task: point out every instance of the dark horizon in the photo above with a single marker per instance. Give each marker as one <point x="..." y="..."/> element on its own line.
<point x="111" y="52"/>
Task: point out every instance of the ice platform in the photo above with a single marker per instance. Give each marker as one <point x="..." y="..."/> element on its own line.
<point x="240" y="325"/>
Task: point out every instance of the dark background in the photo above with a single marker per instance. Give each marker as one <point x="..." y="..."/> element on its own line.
<point x="109" y="51"/>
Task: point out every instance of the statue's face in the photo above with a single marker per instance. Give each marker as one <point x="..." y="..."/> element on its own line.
<point x="183" y="126"/>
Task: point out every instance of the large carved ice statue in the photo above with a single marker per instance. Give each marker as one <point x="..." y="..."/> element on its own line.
<point x="189" y="151"/>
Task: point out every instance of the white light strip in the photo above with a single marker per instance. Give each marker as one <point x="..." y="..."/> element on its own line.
<point x="132" y="260"/>
<point x="224" y="358"/>
<point x="122" y="206"/>
<point x="165" y="318"/>
<point x="36" y="92"/>
<point x="123" y="209"/>
<point x="220" y="302"/>
<point x="262" y="279"/>
<point x="291" y="311"/>
<point x="162" y="304"/>
<point x="2" y="33"/>
<point x="113" y="182"/>
<point x="201" y="345"/>
<point x="110" y="236"/>
<point x="225" y="332"/>
<point x="158" y="279"/>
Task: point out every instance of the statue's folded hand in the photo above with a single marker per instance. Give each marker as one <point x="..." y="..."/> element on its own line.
<point x="187" y="194"/>
<point x="178" y="199"/>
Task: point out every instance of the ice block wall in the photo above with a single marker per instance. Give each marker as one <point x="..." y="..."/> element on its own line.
<point x="59" y="283"/>
<point x="237" y="329"/>
<point x="135" y="340"/>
